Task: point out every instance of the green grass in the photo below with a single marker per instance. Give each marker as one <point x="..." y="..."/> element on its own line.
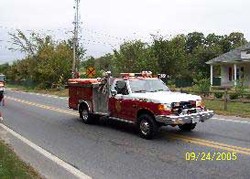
<point x="233" y="108"/>
<point x="12" y="167"/>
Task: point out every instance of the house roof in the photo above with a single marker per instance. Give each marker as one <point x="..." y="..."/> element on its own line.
<point x="231" y="56"/>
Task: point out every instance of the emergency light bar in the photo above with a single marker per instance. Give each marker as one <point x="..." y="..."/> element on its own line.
<point x="146" y="73"/>
<point x="142" y="74"/>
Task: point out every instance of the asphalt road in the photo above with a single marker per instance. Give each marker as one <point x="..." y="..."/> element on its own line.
<point x="115" y="151"/>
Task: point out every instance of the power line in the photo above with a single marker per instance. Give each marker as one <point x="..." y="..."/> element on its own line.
<point x="88" y="41"/>
<point x="67" y="31"/>
<point x="104" y="34"/>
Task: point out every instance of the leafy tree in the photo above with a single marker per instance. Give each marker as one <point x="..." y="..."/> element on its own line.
<point x="4" y="68"/>
<point x="234" y="40"/>
<point x="193" y="40"/>
<point x="47" y="61"/>
<point x="213" y="39"/>
<point x="170" y="55"/>
<point x="182" y="57"/>
<point x="199" y="58"/>
<point x="134" y="56"/>
<point x="105" y="62"/>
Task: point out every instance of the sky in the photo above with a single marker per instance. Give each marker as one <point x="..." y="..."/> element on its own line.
<point x="107" y="23"/>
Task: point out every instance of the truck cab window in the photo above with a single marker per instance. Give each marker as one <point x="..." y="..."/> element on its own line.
<point x="121" y="87"/>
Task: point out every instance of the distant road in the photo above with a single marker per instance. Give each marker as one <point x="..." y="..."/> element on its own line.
<point x="114" y="150"/>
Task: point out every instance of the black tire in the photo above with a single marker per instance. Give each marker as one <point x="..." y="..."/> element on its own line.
<point x="147" y="126"/>
<point x="85" y="114"/>
<point x="187" y="127"/>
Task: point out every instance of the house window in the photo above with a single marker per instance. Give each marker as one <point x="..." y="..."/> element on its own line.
<point x="242" y="72"/>
<point x="230" y="72"/>
<point x="237" y="74"/>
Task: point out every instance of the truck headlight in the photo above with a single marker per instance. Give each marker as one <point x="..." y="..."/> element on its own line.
<point x="199" y="103"/>
<point x="164" y="107"/>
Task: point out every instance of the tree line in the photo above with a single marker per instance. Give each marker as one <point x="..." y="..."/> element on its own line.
<point x="47" y="62"/>
<point x="182" y="57"/>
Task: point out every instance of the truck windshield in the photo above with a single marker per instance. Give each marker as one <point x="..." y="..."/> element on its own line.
<point x="147" y="85"/>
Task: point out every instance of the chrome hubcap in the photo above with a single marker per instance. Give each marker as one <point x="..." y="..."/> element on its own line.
<point x="84" y="115"/>
<point x="145" y="127"/>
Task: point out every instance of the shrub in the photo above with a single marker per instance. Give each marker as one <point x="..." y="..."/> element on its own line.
<point x="218" y="94"/>
<point x="234" y="96"/>
<point x="247" y="96"/>
<point x="171" y="84"/>
<point x="240" y="87"/>
<point x="202" y="86"/>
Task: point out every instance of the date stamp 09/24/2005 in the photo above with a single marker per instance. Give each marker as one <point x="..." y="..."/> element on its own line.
<point x="210" y="156"/>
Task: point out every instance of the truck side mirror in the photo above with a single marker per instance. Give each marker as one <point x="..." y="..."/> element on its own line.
<point x="113" y="92"/>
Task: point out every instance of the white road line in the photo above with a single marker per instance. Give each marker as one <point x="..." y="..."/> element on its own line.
<point x="232" y="120"/>
<point x="47" y="154"/>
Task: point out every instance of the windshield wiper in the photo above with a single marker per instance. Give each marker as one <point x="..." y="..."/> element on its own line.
<point x="162" y="90"/>
<point x="157" y="90"/>
<point x="140" y="91"/>
<point x="153" y="91"/>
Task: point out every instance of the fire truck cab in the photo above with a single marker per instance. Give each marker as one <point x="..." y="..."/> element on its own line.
<point x="136" y="98"/>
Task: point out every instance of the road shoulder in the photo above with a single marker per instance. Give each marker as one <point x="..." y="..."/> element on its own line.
<point x="45" y="166"/>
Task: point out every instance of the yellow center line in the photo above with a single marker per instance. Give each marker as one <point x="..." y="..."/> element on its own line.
<point x="220" y="146"/>
<point x="209" y="142"/>
<point x="193" y="140"/>
<point x="51" y="108"/>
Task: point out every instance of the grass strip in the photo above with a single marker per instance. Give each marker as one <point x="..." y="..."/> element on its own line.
<point x="233" y="108"/>
<point x="12" y="167"/>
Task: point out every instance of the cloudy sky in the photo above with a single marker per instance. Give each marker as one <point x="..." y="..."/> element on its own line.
<point x="106" y="23"/>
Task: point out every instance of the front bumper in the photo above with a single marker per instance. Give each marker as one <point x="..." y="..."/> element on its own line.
<point x="183" y="119"/>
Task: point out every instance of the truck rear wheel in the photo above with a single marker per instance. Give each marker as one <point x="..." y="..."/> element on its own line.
<point x="85" y="115"/>
<point x="187" y="127"/>
<point x="147" y="127"/>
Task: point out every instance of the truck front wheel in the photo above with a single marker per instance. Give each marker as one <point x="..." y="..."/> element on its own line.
<point x="147" y="127"/>
<point x="187" y="127"/>
<point x="85" y="115"/>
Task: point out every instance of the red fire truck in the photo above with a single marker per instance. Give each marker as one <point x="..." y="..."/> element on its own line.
<point x="136" y="98"/>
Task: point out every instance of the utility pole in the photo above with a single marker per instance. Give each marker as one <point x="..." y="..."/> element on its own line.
<point x="75" y="38"/>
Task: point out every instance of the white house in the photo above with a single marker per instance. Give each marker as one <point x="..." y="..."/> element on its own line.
<point x="234" y="65"/>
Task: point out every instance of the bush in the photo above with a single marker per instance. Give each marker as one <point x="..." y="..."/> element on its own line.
<point x="240" y="87"/>
<point x="247" y="96"/>
<point x="234" y="96"/>
<point x="218" y="94"/>
<point x="202" y="86"/>
<point x="171" y="84"/>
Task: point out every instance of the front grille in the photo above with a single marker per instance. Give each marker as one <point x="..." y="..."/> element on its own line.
<point x="177" y="108"/>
